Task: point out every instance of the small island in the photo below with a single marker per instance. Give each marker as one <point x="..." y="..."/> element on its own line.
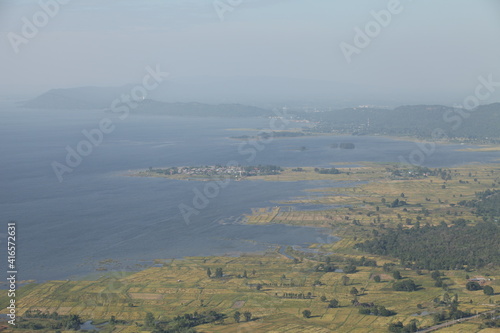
<point x="273" y="134"/>
<point x="238" y="172"/>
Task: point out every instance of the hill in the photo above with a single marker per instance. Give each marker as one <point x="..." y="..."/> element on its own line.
<point x="481" y="123"/>
<point x="85" y="98"/>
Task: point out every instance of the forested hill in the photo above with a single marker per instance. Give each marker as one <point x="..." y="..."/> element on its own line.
<point x="440" y="247"/>
<point x="481" y="123"/>
<point x="459" y="246"/>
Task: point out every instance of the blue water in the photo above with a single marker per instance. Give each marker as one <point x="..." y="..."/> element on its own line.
<point x="96" y="213"/>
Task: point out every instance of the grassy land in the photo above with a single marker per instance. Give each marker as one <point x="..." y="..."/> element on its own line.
<point x="182" y="286"/>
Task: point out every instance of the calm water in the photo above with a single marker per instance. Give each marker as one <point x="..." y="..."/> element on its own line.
<point x="96" y="213"/>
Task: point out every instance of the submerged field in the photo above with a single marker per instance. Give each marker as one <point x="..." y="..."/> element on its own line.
<point x="276" y="289"/>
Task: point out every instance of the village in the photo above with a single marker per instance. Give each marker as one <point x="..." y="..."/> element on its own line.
<point x="232" y="171"/>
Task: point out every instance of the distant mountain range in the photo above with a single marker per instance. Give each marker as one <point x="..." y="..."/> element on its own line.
<point x="481" y="123"/>
<point x="77" y="98"/>
<point x="101" y="98"/>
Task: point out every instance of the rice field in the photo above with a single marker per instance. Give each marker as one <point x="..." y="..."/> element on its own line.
<point x="183" y="286"/>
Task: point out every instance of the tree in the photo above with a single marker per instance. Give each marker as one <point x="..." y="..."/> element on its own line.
<point x="209" y="272"/>
<point x="354" y="291"/>
<point x="237" y="316"/>
<point x="382" y="311"/>
<point x="376" y="278"/>
<point x="112" y="320"/>
<point x="247" y="315"/>
<point x="245" y="274"/>
<point x="396" y="327"/>
<point x="219" y="273"/>
<point x="149" y="321"/>
<point x="345" y="280"/>
<point x="472" y="286"/>
<point x="333" y="304"/>
<point x="364" y="311"/>
<point x="306" y="314"/>
<point x="488" y="290"/>
<point x="349" y="269"/>
<point x="323" y="298"/>
<point x="396" y="275"/>
<point x="411" y="327"/>
<point x="74" y="322"/>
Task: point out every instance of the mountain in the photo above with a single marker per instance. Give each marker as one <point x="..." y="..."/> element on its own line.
<point x="77" y="98"/>
<point x="481" y="123"/>
<point x="86" y="98"/>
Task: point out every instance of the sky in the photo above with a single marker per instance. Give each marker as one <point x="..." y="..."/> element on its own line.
<point x="433" y="50"/>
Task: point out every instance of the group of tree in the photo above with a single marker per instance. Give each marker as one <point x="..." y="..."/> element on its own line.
<point x="183" y="323"/>
<point x="363" y="261"/>
<point x="446" y="300"/>
<point x="402" y="171"/>
<point x="376" y="310"/>
<point x="486" y="204"/>
<point x="474" y="285"/>
<point x="436" y="276"/>
<point x="297" y="295"/>
<point x="38" y="320"/>
<point x="218" y="272"/>
<point x="440" y="247"/>
<point x="262" y="170"/>
<point x="398" y="327"/>
<point x="350" y="269"/>
<point x="452" y="314"/>
<point x="491" y="320"/>
<point x="328" y="171"/>
<point x="397" y="203"/>
<point x="325" y="267"/>
<point x="246" y="314"/>
<point x="404" y="285"/>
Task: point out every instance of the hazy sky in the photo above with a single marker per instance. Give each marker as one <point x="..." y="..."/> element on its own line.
<point x="428" y="46"/>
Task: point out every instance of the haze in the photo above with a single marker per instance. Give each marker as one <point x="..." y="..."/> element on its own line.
<point x="430" y="52"/>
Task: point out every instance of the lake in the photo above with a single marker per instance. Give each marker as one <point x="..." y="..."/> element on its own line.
<point x="97" y="213"/>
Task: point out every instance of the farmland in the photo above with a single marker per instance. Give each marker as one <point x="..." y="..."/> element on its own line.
<point x="276" y="289"/>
